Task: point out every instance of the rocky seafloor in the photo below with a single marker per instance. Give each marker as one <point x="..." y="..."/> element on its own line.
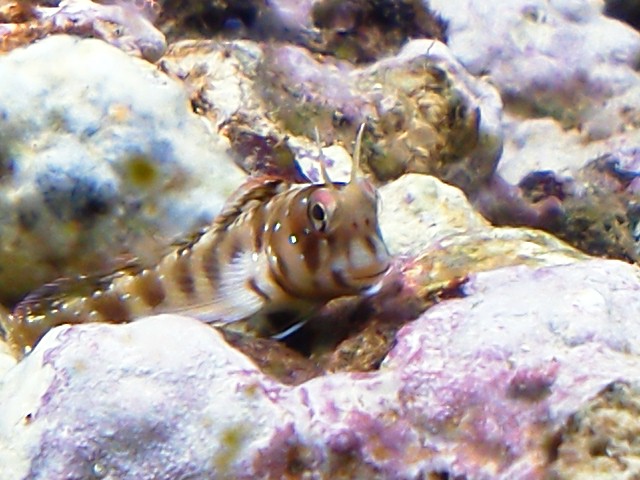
<point x="504" y="139"/>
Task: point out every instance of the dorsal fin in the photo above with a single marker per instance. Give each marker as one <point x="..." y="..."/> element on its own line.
<point x="256" y="188"/>
<point x="356" y="153"/>
<point x="259" y="189"/>
<point x="323" y="167"/>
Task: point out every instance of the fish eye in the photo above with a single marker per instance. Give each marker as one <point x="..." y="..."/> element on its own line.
<point x="322" y="204"/>
<point x="318" y="216"/>
<point x="318" y="213"/>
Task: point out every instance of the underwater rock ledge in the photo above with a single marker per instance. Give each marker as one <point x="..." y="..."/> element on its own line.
<point x="470" y="389"/>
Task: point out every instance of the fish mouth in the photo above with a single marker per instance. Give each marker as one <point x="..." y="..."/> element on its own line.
<point x="369" y="282"/>
<point x="371" y="276"/>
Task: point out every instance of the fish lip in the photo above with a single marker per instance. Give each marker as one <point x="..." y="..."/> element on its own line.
<point x="372" y="282"/>
<point x="372" y="276"/>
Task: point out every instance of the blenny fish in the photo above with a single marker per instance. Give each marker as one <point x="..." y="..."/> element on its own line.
<point x="277" y="248"/>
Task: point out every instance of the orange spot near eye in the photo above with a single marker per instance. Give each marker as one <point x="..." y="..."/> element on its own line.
<point x="323" y="197"/>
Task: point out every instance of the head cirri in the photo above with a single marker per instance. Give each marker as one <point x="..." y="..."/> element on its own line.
<point x="325" y="242"/>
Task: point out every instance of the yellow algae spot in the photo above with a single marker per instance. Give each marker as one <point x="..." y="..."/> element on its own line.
<point x="231" y="442"/>
<point x="119" y="112"/>
<point x="141" y="172"/>
<point x="80" y="366"/>
<point x="283" y="157"/>
<point x="251" y="389"/>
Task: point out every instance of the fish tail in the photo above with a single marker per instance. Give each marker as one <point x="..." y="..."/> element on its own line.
<point x="19" y="337"/>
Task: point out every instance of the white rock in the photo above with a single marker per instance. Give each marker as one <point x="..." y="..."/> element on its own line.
<point x="419" y="210"/>
<point x="97" y="149"/>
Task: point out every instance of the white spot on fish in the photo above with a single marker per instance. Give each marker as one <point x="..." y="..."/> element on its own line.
<point x="36" y="318"/>
<point x="293" y="239"/>
<point x="373" y="289"/>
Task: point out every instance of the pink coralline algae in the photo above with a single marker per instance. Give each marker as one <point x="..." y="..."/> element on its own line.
<point x="477" y="387"/>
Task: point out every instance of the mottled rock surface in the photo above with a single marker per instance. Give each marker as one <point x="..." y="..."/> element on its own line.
<point x="476" y="387"/>
<point x="600" y="440"/>
<point x="423" y="112"/>
<point x="125" y="24"/>
<point x="92" y="163"/>
<point x="562" y="59"/>
<point x="567" y="74"/>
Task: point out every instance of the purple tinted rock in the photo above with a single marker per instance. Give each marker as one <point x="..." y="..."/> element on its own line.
<point x="476" y="387"/>
<point x="595" y="209"/>
<point x="561" y="58"/>
<point x="493" y="374"/>
<point x="119" y="401"/>
<point x="567" y="74"/>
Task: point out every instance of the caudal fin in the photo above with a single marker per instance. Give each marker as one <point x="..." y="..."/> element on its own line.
<point x="20" y="338"/>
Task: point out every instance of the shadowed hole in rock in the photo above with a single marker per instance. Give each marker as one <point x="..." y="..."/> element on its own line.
<point x="349" y="334"/>
<point x="217" y="17"/>
<point x="358" y="30"/>
<point x="624" y="10"/>
<point x="363" y="30"/>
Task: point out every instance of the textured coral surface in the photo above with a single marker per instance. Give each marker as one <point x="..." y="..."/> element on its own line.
<point x="477" y="386"/>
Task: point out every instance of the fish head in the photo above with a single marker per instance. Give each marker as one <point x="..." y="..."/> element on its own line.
<point x="326" y="241"/>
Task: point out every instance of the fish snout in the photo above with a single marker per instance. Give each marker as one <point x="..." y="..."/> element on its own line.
<point x="367" y="277"/>
<point x="368" y="257"/>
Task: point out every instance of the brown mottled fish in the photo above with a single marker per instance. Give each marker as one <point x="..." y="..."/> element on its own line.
<point x="276" y="248"/>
